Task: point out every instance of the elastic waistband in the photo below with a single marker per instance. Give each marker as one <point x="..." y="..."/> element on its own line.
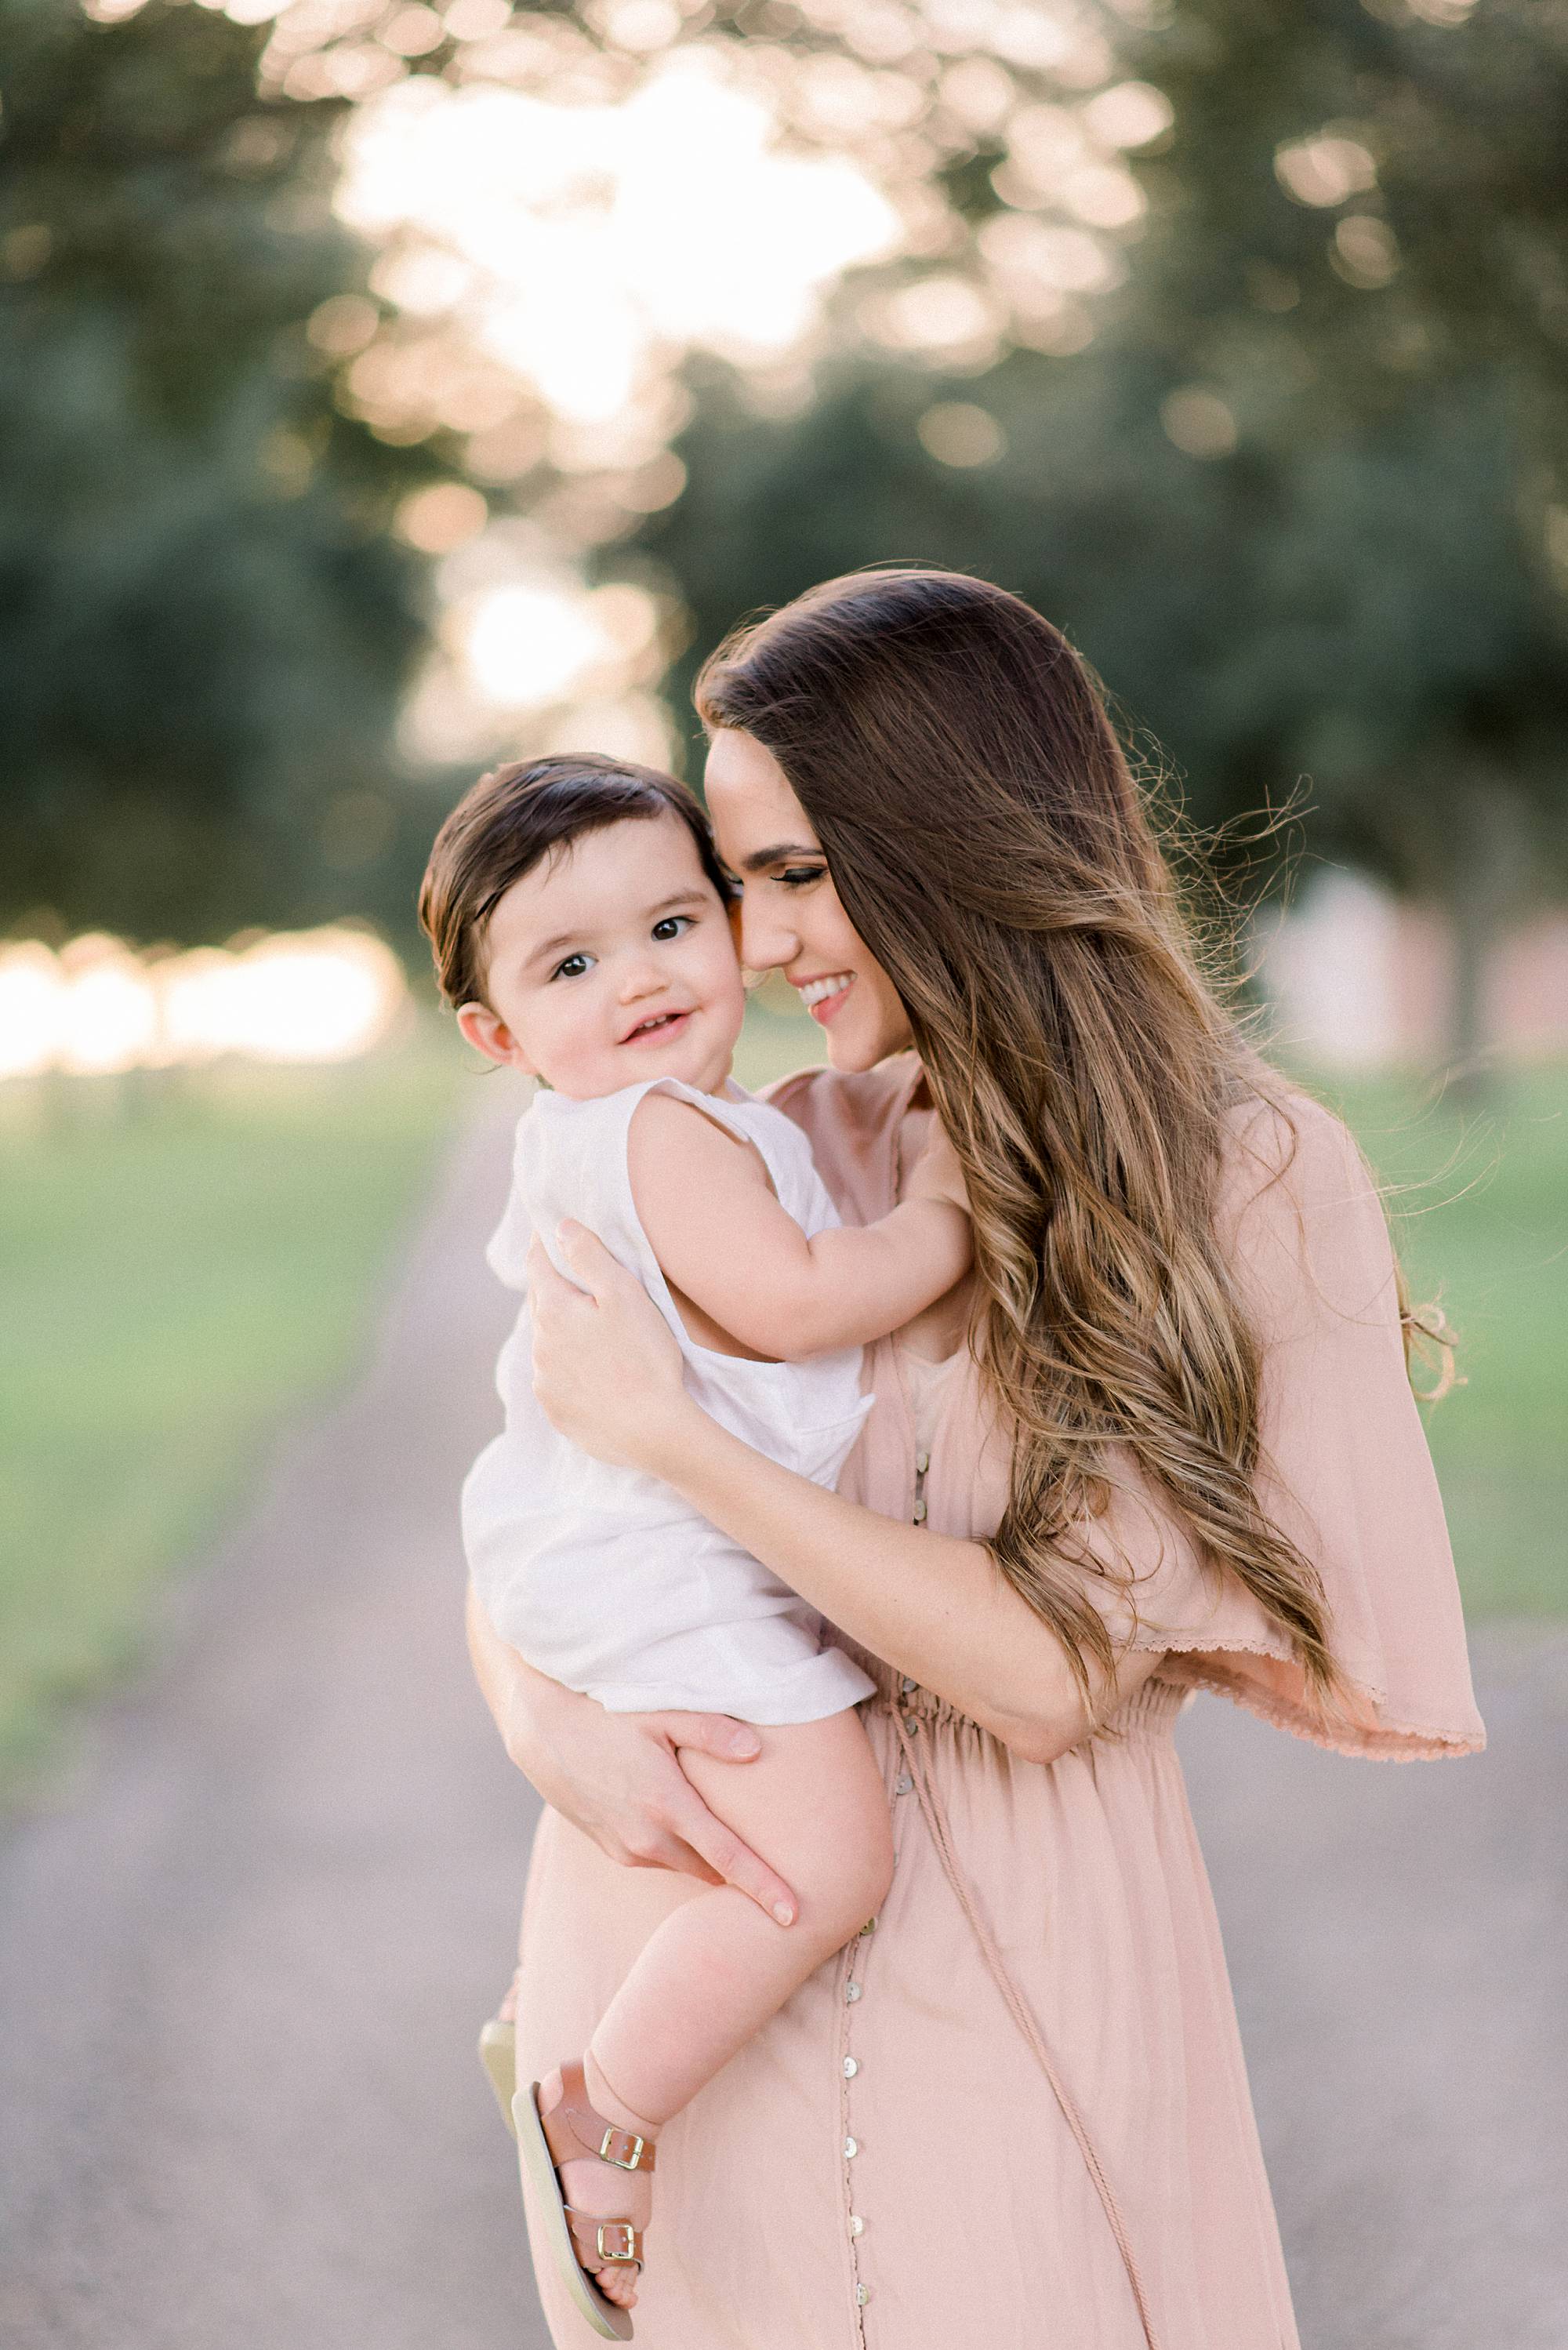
<point x="1149" y="1712"/>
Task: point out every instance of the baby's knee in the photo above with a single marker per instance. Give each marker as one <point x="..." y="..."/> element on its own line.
<point x="850" y="1881"/>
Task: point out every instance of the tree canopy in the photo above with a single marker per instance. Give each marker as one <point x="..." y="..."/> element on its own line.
<point x="205" y="627"/>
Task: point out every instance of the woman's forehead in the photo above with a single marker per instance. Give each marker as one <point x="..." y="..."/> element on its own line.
<point x="750" y="799"/>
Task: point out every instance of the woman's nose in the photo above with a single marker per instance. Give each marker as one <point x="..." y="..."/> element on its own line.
<point x="767" y="942"/>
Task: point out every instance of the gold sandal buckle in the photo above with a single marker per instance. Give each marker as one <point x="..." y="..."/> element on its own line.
<point x="622" y="2227"/>
<point x="632" y="2161"/>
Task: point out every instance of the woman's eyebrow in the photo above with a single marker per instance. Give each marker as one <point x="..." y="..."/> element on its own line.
<point x="777" y="855"/>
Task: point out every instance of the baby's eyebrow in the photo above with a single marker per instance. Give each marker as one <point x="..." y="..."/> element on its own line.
<point x="550" y="947"/>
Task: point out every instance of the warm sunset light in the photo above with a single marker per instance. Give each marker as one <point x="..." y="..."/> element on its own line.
<point x="97" y="1008"/>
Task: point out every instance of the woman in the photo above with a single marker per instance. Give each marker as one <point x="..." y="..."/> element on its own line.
<point x="1163" y="1439"/>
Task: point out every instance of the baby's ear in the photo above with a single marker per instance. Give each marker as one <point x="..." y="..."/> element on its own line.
<point x="488" y="1034"/>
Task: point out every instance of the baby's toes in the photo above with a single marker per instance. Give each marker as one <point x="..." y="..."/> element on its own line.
<point x="617" y="2282"/>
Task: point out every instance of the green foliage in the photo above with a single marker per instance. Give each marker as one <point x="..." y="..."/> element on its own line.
<point x="205" y="626"/>
<point x="1364" y="591"/>
<point x="175" y="1281"/>
<point x="1463" y="124"/>
<point x="1477" y="1209"/>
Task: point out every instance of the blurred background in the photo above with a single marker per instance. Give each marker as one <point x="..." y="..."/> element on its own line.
<point x="388" y="387"/>
<point x="384" y="388"/>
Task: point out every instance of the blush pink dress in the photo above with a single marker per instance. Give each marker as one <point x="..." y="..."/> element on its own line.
<point x="1015" y="2111"/>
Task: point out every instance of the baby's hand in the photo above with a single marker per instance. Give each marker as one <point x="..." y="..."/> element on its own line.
<point x="937" y="1173"/>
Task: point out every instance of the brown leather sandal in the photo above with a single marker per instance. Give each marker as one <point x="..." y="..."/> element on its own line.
<point x="580" y="2244"/>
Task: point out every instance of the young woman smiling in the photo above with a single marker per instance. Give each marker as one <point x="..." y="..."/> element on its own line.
<point x="1163" y="1438"/>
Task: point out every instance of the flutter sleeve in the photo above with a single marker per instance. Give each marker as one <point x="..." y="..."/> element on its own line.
<point x="1345" y="1469"/>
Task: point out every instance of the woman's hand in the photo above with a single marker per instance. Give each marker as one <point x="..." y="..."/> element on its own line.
<point x="617" y="1777"/>
<point x="606" y="1367"/>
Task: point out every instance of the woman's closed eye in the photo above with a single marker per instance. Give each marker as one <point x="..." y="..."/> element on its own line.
<point x="800" y="877"/>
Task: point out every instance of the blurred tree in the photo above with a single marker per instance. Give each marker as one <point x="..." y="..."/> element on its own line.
<point x="204" y="625"/>
<point x="1360" y="245"/>
<point x="1296" y="502"/>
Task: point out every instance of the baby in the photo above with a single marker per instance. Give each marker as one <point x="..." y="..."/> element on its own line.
<point x="581" y="926"/>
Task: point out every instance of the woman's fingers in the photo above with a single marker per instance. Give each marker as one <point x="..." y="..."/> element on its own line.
<point x="718" y="1734"/>
<point x="591" y="1266"/>
<point x="607" y="1365"/>
<point x="547" y="1288"/>
<point x="732" y="1860"/>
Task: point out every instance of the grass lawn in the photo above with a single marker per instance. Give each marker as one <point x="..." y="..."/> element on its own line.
<point x="1483" y="1224"/>
<point x="173" y="1279"/>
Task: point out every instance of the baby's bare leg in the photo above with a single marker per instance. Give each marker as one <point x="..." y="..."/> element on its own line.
<point x="717" y="1969"/>
<point x="813" y="1802"/>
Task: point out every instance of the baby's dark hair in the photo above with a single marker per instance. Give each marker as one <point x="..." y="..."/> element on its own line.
<point x="509" y="820"/>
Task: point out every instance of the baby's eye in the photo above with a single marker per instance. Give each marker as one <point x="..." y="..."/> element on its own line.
<point x="672" y="926"/>
<point x="572" y="967"/>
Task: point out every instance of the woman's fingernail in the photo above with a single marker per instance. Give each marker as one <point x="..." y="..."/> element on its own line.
<point x="784" y="1913"/>
<point x="746" y="1741"/>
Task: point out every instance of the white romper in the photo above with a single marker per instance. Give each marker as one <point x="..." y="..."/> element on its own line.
<point x="603" y="1578"/>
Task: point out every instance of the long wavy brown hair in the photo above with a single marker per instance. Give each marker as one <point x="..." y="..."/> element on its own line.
<point x="990" y="844"/>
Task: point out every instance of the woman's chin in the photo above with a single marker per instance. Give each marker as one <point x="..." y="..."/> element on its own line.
<point x="852" y="1054"/>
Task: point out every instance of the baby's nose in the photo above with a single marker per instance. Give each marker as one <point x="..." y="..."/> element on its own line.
<point x="641" y="976"/>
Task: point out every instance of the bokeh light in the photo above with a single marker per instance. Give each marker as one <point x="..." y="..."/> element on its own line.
<point x="97" y="1008"/>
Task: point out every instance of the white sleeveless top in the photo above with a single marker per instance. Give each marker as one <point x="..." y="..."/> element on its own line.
<point x="606" y="1579"/>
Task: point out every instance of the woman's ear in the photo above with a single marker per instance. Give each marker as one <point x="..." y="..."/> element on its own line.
<point x="488" y="1034"/>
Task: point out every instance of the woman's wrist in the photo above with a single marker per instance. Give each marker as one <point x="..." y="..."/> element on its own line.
<point x="670" y="1438"/>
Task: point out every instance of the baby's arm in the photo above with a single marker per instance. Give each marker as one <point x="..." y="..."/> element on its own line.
<point x="725" y="1243"/>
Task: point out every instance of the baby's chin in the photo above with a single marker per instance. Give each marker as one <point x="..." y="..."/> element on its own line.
<point x="702" y="1067"/>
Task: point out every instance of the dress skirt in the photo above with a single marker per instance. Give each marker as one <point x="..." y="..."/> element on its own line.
<point x="886" y="2166"/>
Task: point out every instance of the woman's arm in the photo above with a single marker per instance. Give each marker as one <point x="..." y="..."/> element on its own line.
<point x="617" y="1777"/>
<point x="607" y="1372"/>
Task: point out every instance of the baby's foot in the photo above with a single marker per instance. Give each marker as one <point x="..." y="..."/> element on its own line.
<point x="602" y="2190"/>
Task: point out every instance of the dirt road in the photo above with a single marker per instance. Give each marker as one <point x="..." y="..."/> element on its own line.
<point x="242" y="1958"/>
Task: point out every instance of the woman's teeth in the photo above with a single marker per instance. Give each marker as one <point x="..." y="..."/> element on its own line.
<point x="817" y="991"/>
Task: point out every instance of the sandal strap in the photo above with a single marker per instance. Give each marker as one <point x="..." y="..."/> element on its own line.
<point x="573" y="2128"/>
<point x="603" y="2243"/>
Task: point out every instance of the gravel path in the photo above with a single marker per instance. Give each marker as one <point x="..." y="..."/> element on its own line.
<point x="243" y="1957"/>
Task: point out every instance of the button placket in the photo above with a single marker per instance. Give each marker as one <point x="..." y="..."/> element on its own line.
<point x="855" y="1962"/>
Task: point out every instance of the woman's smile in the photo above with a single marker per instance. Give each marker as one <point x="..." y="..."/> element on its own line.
<point x="822" y="997"/>
<point x="792" y="920"/>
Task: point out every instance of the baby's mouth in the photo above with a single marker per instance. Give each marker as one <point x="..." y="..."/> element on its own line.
<point x="657" y="1023"/>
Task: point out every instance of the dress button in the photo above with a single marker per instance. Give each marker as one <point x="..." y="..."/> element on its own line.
<point x="919" y="1513"/>
<point x="851" y="2068"/>
<point x="909" y="1684"/>
<point x="852" y="1993"/>
<point x="870" y="1927"/>
<point x="922" y="1462"/>
<point x="902" y="1783"/>
<point x="851" y="2149"/>
<point x="856" y="2225"/>
<point x="862" y="2294"/>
